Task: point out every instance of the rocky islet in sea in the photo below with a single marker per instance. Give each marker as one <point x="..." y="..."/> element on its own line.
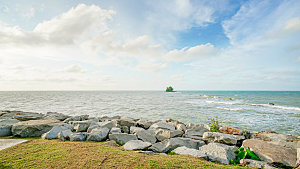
<point x="150" y="137"/>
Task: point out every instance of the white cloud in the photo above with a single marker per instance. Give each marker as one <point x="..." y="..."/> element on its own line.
<point x="148" y="67"/>
<point x="74" y="69"/>
<point x="188" y="53"/>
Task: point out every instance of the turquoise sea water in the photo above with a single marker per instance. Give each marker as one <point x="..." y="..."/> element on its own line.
<point x="243" y="109"/>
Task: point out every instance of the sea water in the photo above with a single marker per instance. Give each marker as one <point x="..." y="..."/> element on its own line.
<point x="243" y="109"/>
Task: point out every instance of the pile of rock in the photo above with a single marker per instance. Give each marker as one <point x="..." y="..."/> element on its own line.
<point x="156" y="136"/>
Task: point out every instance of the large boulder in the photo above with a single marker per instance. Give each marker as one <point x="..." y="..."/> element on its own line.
<point x="256" y="164"/>
<point x="272" y="153"/>
<point x="196" y="131"/>
<point x="222" y="138"/>
<point x="171" y="144"/>
<point x="34" y="128"/>
<point x="162" y="125"/>
<point x="115" y="130"/>
<point x="106" y="118"/>
<point x="194" y="126"/>
<point x="144" y="123"/>
<point x="284" y="140"/>
<point x="53" y="133"/>
<point x="219" y="152"/>
<point x="107" y="124"/>
<point x="81" y="126"/>
<point x="122" y="138"/>
<point x="162" y="134"/>
<point x="55" y="116"/>
<point x="136" y="145"/>
<point x="64" y="135"/>
<point x="78" y="136"/>
<point x="146" y="136"/>
<point x="98" y="134"/>
<point x="181" y="127"/>
<point x="25" y="116"/>
<point x="6" y="125"/>
<point x="189" y="151"/>
<point x="124" y="122"/>
<point x="230" y="130"/>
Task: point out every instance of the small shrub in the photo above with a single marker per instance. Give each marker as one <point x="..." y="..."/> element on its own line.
<point x="246" y="133"/>
<point x="172" y="153"/>
<point x="121" y="143"/>
<point x="242" y="154"/>
<point x="214" y="124"/>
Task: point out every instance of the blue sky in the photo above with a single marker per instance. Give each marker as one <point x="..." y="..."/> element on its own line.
<point x="148" y="45"/>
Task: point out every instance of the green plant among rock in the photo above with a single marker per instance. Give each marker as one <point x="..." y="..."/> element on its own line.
<point x="242" y="154"/>
<point x="172" y="153"/>
<point x="121" y="143"/>
<point x="246" y="133"/>
<point x="169" y="89"/>
<point x="213" y="123"/>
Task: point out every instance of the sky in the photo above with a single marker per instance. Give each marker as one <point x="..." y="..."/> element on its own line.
<point x="149" y="45"/>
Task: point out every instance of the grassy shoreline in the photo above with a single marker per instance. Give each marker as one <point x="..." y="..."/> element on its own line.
<point x="39" y="153"/>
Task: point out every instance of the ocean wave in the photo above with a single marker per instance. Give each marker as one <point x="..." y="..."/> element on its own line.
<point x="230" y="109"/>
<point x="278" y="107"/>
<point x="222" y="102"/>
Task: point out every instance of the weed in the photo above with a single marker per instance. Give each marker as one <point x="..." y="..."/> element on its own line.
<point x="213" y="124"/>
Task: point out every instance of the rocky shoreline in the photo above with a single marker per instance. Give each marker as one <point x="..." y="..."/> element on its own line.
<point x="170" y="136"/>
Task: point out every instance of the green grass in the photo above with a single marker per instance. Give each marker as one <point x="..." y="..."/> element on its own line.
<point x="39" y="153"/>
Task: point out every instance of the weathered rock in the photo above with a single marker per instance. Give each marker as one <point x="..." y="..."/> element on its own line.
<point x="115" y="130"/>
<point x="181" y="127"/>
<point x="272" y="153"/>
<point x="256" y="164"/>
<point x="195" y="131"/>
<point x="25" y="116"/>
<point x="136" y="145"/>
<point x="92" y="126"/>
<point x="76" y="118"/>
<point x="125" y="122"/>
<point x="194" y="126"/>
<point x="219" y="152"/>
<point x="230" y="130"/>
<point x="288" y="141"/>
<point x="98" y="134"/>
<point x="78" y="136"/>
<point x="64" y="135"/>
<point x="162" y="134"/>
<point x="9" y="114"/>
<point x="81" y="126"/>
<point x="125" y="129"/>
<point x="52" y="134"/>
<point x="122" y="138"/>
<point x="298" y="157"/>
<point x="162" y="125"/>
<point x="173" y="122"/>
<point x="146" y="136"/>
<point x="106" y="118"/>
<point x="6" y="125"/>
<point x="134" y="129"/>
<point x="107" y="124"/>
<point x="55" y="116"/>
<point x="33" y="128"/>
<point x="222" y="138"/>
<point x="144" y="123"/>
<point x="171" y="144"/>
<point x="189" y="151"/>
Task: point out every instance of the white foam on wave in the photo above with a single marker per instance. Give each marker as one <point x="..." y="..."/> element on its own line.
<point x="220" y="102"/>
<point x="230" y="109"/>
<point x="278" y="107"/>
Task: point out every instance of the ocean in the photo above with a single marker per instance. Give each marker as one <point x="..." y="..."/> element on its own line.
<point x="243" y="109"/>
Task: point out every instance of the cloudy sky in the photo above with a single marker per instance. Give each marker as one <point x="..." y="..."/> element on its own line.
<point x="148" y="45"/>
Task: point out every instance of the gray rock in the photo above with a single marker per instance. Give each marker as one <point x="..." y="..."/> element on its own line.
<point x="256" y="164"/>
<point x="189" y="151"/>
<point x="229" y="139"/>
<point x="76" y="118"/>
<point x="195" y="131"/>
<point x="162" y="134"/>
<point x="78" y="136"/>
<point x="34" y="128"/>
<point x="162" y="125"/>
<point x="115" y="130"/>
<point x="298" y="157"/>
<point x="219" y="152"/>
<point x="52" y="134"/>
<point x="171" y="144"/>
<point x="122" y="138"/>
<point x="107" y="124"/>
<point x="146" y="136"/>
<point x="197" y="126"/>
<point x="144" y="123"/>
<point x="81" y="126"/>
<point x="55" y="116"/>
<point x="284" y="140"/>
<point x="272" y="153"/>
<point x="6" y="125"/>
<point x="25" y="116"/>
<point x="64" y="135"/>
<point x="92" y="126"/>
<point x="136" y="145"/>
<point x="181" y="127"/>
<point x="124" y="129"/>
<point x="106" y="118"/>
<point x="134" y="129"/>
<point x="124" y="122"/>
<point x="98" y="134"/>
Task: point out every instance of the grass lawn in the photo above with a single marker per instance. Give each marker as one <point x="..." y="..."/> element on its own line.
<point x="39" y="153"/>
